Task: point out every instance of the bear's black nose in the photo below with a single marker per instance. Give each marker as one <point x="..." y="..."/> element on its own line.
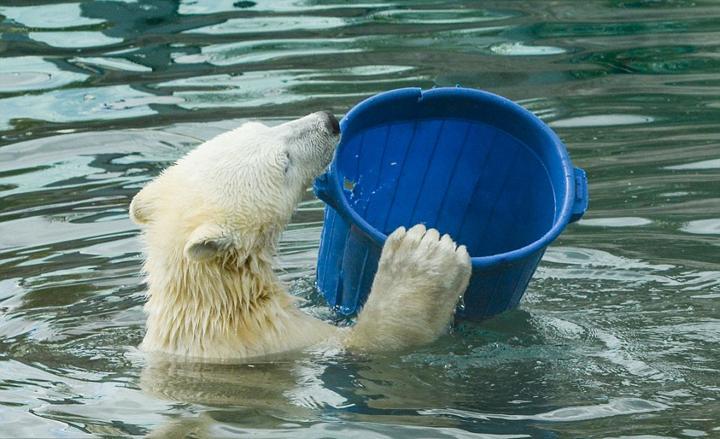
<point x="332" y="123"/>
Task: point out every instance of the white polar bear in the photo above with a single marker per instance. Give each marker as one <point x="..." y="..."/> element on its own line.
<point x="210" y="227"/>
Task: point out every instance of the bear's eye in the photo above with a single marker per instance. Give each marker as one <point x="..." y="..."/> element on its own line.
<point x="287" y="161"/>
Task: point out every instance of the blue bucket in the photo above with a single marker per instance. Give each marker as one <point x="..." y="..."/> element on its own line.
<point x="464" y="161"/>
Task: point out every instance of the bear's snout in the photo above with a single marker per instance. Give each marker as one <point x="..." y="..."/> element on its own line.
<point x="331" y="122"/>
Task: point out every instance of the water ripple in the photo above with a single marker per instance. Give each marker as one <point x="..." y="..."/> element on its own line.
<point x="616" y="407"/>
<point x="616" y="336"/>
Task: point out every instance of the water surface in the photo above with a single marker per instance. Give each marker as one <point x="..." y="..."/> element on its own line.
<point x="616" y="337"/>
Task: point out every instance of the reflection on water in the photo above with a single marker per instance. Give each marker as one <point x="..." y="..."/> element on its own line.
<point x="617" y="335"/>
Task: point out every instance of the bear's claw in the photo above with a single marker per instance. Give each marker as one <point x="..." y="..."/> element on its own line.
<point x="420" y="250"/>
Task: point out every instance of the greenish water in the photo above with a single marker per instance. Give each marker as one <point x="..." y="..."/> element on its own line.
<point x="617" y="336"/>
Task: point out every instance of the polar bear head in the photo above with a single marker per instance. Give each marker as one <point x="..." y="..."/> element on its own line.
<point x="210" y="225"/>
<point x="235" y="193"/>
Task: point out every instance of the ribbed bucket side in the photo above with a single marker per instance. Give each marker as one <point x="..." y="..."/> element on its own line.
<point x="359" y="265"/>
<point x="332" y="244"/>
<point x="497" y="289"/>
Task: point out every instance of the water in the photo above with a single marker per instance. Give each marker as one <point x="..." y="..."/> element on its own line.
<point x="617" y="335"/>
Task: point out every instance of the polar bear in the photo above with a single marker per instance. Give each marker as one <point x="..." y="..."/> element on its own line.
<point x="210" y="225"/>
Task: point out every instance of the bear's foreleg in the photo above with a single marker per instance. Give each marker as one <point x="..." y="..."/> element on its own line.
<point x="419" y="281"/>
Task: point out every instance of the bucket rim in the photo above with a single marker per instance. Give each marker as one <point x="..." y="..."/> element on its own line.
<point x="559" y="223"/>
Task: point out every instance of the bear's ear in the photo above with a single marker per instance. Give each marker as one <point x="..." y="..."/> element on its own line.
<point x="140" y="208"/>
<point x="206" y="242"/>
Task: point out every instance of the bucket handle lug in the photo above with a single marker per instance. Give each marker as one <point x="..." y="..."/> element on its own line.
<point x="328" y="190"/>
<point x="323" y="187"/>
<point x="580" y="203"/>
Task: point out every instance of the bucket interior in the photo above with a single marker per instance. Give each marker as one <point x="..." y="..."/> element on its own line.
<point x="478" y="183"/>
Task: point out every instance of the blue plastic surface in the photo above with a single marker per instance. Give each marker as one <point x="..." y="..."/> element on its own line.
<point x="467" y="162"/>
